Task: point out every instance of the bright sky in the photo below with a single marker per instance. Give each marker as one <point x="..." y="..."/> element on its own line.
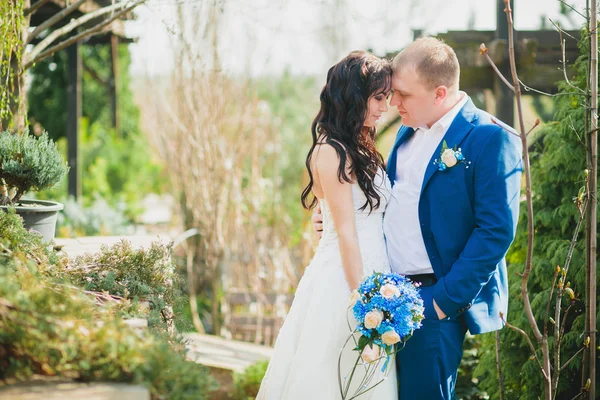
<point x="268" y="36"/>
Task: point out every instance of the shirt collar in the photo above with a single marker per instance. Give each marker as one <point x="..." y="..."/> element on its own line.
<point x="448" y="118"/>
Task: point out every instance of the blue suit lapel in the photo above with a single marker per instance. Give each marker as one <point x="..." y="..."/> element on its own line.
<point x="404" y="133"/>
<point x="459" y="129"/>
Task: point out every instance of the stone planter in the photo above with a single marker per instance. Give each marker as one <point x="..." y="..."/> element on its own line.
<point x="39" y="215"/>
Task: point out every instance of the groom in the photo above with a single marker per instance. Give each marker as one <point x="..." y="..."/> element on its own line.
<point x="452" y="217"/>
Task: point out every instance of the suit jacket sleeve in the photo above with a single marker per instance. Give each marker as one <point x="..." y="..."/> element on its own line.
<point x="496" y="184"/>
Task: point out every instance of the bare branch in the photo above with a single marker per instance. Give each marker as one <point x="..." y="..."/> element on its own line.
<point x="572" y="358"/>
<point x="561" y="30"/>
<point x="536" y="124"/>
<point x="564" y="320"/>
<point x="559" y="330"/>
<point x="556" y="272"/>
<point x="483" y="50"/>
<point x="572" y="8"/>
<point x="526" y="336"/>
<point x="89" y="32"/>
<point x="530" y="222"/>
<point x="530" y="89"/>
<point x="95" y="75"/>
<point x="564" y="64"/>
<point x="499" y="365"/>
<point x="574" y="239"/>
<point x="53" y="20"/>
<point x="35" y="7"/>
<point x="495" y="122"/>
<point x="33" y="54"/>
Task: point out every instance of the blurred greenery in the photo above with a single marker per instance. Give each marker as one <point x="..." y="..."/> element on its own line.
<point x="117" y="167"/>
<point x="247" y="383"/>
<point x="293" y="102"/>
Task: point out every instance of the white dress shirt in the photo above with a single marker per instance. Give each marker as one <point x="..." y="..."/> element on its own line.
<point x="405" y="245"/>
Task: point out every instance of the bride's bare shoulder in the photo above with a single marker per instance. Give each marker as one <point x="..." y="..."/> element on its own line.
<point x="327" y="155"/>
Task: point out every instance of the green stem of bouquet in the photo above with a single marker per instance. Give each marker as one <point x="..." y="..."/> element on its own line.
<point x="370" y="373"/>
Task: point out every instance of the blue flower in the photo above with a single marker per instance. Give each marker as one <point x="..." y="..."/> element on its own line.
<point x="402" y="313"/>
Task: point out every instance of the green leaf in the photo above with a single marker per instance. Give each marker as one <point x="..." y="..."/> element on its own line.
<point x="362" y="342"/>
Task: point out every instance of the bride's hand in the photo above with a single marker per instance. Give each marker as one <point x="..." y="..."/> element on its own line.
<point x="317" y="221"/>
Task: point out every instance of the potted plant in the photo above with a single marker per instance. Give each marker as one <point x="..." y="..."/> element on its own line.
<point x="30" y="163"/>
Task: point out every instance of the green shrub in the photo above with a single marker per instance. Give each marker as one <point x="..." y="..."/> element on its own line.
<point x="247" y="383"/>
<point x="28" y="163"/>
<point x="135" y="275"/>
<point x="50" y="327"/>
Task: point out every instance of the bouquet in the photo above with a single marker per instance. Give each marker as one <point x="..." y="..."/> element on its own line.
<point x="387" y="308"/>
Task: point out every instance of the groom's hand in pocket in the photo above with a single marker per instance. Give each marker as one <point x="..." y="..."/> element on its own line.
<point x="438" y="310"/>
<point x="317" y="221"/>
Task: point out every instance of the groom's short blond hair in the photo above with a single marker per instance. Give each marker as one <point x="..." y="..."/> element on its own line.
<point x="434" y="61"/>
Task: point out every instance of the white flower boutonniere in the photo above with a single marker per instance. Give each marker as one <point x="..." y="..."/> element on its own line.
<point x="449" y="157"/>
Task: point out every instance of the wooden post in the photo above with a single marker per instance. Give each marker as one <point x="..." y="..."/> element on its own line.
<point x="73" y="117"/>
<point x="114" y="84"/>
<point x="505" y="107"/>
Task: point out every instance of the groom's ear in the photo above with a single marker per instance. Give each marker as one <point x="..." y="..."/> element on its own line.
<point x="441" y="92"/>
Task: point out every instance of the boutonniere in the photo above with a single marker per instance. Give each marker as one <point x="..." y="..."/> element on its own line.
<point x="449" y="157"/>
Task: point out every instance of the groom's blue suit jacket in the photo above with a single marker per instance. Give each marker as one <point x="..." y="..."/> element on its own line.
<point x="469" y="216"/>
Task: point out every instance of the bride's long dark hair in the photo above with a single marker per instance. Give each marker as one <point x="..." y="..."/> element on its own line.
<point x="340" y="122"/>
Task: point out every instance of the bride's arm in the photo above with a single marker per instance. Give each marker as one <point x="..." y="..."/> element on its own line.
<point x="339" y="198"/>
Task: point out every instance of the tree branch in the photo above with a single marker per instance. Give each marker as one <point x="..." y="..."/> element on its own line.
<point x="527" y="170"/>
<point x="483" y="50"/>
<point x="499" y="366"/>
<point x="32" y="57"/>
<point x="564" y="63"/>
<point x="572" y="8"/>
<point x="556" y="272"/>
<point x="35" y="7"/>
<point x="522" y="332"/>
<point x="537" y="122"/>
<point x="89" y="32"/>
<point x="561" y="30"/>
<point x="530" y="89"/>
<point x="572" y="358"/>
<point x="53" y="20"/>
<point x="95" y="76"/>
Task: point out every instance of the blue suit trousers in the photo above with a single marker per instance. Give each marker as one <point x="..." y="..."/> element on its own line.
<point x="427" y="365"/>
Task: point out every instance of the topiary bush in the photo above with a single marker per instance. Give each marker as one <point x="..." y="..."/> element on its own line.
<point x="28" y="163"/>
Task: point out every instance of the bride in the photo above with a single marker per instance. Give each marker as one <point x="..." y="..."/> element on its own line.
<point x="348" y="182"/>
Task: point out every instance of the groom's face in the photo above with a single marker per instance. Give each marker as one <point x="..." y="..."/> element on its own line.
<point x="414" y="101"/>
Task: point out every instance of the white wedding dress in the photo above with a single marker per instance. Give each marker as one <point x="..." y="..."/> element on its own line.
<point x="304" y="365"/>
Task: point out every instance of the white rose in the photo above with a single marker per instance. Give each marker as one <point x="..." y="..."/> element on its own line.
<point x="389" y="291"/>
<point x="370" y="354"/>
<point x="449" y="158"/>
<point x="373" y="319"/>
<point x="354" y="297"/>
<point x="390" y="337"/>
